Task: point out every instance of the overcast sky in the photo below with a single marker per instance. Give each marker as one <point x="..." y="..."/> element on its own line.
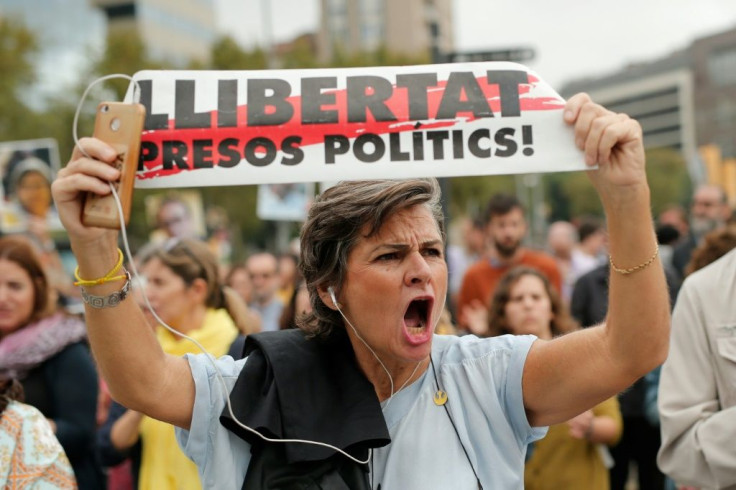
<point x="571" y="38"/>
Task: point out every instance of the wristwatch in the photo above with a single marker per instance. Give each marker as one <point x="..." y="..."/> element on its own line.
<point x="111" y="300"/>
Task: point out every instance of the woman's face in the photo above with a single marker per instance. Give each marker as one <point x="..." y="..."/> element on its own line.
<point x="241" y="283"/>
<point x="34" y="193"/>
<point x="169" y="295"/>
<point x="16" y="297"/>
<point x="395" y="287"/>
<point x="529" y="309"/>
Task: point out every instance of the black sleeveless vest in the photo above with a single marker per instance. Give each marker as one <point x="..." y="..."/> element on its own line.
<point x="292" y="387"/>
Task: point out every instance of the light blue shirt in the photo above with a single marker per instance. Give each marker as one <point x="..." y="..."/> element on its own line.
<point x="483" y="380"/>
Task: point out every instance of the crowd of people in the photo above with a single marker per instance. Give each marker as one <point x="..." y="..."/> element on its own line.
<point x="568" y="335"/>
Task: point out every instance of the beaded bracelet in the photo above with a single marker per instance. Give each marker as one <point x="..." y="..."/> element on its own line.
<point x="639" y="267"/>
<point x="111" y="300"/>
<point x="109" y="277"/>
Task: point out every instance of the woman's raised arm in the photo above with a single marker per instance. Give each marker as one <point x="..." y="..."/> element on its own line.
<point x="568" y="375"/>
<point x="139" y="374"/>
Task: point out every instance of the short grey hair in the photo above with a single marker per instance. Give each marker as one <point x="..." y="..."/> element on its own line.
<point x="336" y="223"/>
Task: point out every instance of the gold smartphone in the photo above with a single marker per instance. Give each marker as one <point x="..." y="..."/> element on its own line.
<point x="120" y="125"/>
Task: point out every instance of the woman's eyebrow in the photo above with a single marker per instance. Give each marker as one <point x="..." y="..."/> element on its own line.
<point x="431" y="243"/>
<point x="399" y="247"/>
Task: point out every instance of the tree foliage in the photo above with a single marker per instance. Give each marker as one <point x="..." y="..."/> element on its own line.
<point x="668" y="178"/>
<point x="228" y="55"/>
<point x="124" y="53"/>
<point x="18" y="46"/>
<point x="301" y="54"/>
<point x="380" y="57"/>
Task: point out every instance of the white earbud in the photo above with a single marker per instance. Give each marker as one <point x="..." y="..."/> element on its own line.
<point x="332" y="296"/>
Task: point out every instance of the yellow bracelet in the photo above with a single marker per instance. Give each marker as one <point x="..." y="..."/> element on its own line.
<point x="109" y="277"/>
<point x="639" y="267"/>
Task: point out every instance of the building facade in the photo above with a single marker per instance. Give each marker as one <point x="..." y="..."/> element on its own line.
<point x="685" y="101"/>
<point x="174" y="31"/>
<point x="659" y="95"/>
<point x="407" y="27"/>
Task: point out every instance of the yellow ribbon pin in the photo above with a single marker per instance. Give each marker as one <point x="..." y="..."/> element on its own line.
<point x="440" y="398"/>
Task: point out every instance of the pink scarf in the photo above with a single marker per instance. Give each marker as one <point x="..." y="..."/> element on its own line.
<point x="29" y="346"/>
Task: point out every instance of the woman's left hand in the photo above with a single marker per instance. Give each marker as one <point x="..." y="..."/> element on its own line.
<point x="613" y="142"/>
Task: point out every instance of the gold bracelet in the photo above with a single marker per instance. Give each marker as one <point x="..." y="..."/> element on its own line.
<point x="109" y="277"/>
<point x="639" y="267"/>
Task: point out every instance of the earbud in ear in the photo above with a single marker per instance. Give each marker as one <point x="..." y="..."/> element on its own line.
<point x="332" y="295"/>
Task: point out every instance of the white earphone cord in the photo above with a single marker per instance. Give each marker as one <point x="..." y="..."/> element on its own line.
<point x="209" y="356"/>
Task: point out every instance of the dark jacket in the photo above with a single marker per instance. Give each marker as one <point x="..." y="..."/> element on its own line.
<point x="338" y="406"/>
<point x="682" y="253"/>
<point x="109" y="454"/>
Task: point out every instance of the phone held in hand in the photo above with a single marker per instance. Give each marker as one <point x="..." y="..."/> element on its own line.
<point x="120" y="125"/>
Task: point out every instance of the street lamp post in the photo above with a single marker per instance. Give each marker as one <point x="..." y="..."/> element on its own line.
<point x="437" y="57"/>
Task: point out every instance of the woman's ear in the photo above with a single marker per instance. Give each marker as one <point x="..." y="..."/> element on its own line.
<point x="199" y="291"/>
<point x="327" y="295"/>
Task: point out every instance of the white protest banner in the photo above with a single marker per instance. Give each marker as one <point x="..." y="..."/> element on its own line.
<point x="209" y="128"/>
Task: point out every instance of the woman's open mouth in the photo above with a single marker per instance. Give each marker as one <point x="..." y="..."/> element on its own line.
<point x="417" y="317"/>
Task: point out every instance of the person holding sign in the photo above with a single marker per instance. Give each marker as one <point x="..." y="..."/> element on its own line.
<point x="365" y="374"/>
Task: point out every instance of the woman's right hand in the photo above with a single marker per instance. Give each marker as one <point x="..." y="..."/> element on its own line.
<point x="85" y="174"/>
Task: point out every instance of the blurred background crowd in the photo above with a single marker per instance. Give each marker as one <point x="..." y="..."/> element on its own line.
<point x="525" y="254"/>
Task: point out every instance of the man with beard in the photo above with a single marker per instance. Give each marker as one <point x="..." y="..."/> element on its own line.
<point x="505" y="230"/>
<point x="709" y="210"/>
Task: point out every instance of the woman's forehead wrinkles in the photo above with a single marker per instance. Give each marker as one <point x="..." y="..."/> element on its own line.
<point x="408" y="227"/>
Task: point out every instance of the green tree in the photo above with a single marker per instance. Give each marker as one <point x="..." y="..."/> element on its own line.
<point x="18" y="45"/>
<point x="668" y="178"/>
<point x="228" y="55"/>
<point x="570" y="194"/>
<point x="469" y="195"/>
<point x="301" y="54"/>
<point x="124" y="53"/>
<point x="379" y="57"/>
